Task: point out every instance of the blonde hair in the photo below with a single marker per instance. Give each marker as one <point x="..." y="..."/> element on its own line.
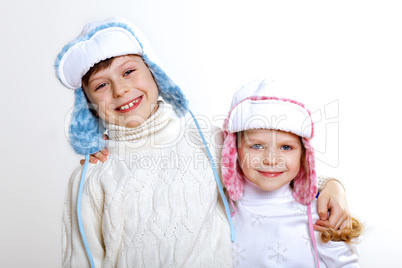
<point x="346" y="235"/>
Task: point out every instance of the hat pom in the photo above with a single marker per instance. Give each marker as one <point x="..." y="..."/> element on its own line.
<point x="85" y="130"/>
<point x="305" y="184"/>
<point x="231" y="173"/>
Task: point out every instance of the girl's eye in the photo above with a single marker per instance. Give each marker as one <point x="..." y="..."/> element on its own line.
<point x="128" y="72"/>
<point x="286" y="148"/>
<point x="257" y="146"/>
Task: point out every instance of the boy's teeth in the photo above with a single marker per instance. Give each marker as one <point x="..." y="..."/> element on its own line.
<point x="131" y="104"/>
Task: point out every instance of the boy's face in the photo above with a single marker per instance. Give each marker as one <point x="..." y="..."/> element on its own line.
<point x="269" y="158"/>
<point x="125" y="94"/>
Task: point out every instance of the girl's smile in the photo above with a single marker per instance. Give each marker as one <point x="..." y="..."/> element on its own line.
<point x="270" y="174"/>
<point x="269" y="158"/>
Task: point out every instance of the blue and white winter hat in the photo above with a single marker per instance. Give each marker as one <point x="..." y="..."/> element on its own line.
<point x="99" y="41"/>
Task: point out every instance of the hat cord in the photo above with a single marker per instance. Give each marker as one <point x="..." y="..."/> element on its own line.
<point x="310" y="223"/>
<point x="80" y="225"/>
<point x="218" y="181"/>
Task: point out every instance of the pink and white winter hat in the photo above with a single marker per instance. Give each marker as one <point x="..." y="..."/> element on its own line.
<point x="255" y="107"/>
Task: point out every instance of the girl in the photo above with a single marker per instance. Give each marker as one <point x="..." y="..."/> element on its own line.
<point x="268" y="169"/>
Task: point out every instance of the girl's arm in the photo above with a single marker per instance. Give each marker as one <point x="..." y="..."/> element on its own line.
<point x="332" y="206"/>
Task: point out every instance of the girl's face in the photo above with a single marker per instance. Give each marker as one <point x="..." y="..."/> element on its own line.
<point x="125" y="93"/>
<point x="269" y="158"/>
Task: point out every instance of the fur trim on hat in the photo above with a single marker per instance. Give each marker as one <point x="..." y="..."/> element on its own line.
<point x="168" y="90"/>
<point x="253" y="124"/>
<point x="85" y="130"/>
<point x="83" y="38"/>
<point x="305" y="184"/>
<point x="231" y="172"/>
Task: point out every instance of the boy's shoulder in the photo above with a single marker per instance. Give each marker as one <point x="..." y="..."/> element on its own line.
<point x="91" y="170"/>
<point x="203" y="123"/>
<point x="193" y="123"/>
<point x="212" y="133"/>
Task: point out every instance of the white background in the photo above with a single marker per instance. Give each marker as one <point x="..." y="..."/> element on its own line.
<point x="343" y="55"/>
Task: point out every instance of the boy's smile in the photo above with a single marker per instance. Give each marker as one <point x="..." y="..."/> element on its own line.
<point x="125" y="93"/>
<point x="131" y="105"/>
<point x="269" y="158"/>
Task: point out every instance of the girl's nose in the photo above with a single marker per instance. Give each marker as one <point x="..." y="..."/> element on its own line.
<point x="270" y="159"/>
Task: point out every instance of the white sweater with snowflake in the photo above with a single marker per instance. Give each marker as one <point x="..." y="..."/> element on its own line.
<point x="272" y="230"/>
<point x="153" y="203"/>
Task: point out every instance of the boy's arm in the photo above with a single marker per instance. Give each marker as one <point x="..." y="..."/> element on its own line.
<point x="73" y="251"/>
<point x="332" y="199"/>
<point x="338" y="254"/>
<point x="332" y="196"/>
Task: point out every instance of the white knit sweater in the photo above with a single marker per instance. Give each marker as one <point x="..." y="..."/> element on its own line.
<point x="272" y="230"/>
<point x="153" y="203"/>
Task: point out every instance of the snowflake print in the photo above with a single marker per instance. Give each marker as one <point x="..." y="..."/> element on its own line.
<point x="257" y="219"/>
<point x="307" y="241"/>
<point x="299" y="209"/>
<point x="277" y="253"/>
<point x="238" y="254"/>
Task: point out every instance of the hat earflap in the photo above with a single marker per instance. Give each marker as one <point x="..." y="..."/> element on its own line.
<point x="168" y="90"/>
<point x="85" y="129"/>
<point x="231" y="173"/>
<point x="305" y="184"/>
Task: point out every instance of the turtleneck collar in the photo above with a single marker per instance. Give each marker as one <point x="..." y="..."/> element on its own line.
<point x="151" y="126"/>
<point x="253" y="192"/>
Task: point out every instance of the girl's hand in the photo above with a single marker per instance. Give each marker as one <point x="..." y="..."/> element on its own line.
<point x="333" y="199"/>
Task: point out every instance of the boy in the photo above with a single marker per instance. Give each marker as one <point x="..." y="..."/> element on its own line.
<point x="140" y="208"/>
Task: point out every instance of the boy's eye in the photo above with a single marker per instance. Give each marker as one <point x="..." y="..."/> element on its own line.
<point x="257" y="146"/>
<point x="100" y="86"/>
<point x="128" y="72"/>
<point x="286" y="148"/>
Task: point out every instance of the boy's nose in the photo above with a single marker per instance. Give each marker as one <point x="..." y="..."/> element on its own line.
<point x="119" y="89"/>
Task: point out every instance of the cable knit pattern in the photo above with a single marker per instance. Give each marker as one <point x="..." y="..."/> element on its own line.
<point x="154" y="203"/>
